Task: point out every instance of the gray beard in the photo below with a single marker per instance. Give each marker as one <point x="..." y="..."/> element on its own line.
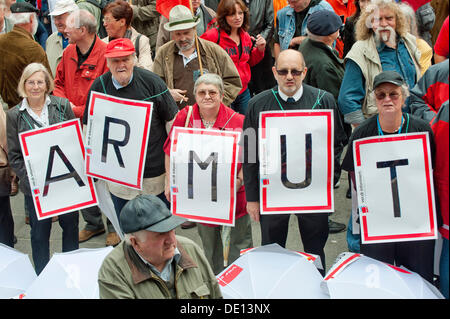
<point x="390" y="41"/>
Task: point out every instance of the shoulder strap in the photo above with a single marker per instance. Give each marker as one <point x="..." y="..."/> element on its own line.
<point x="136" y="45"/>
<point x="218" y="35"/>
<point x="190" y="107"/>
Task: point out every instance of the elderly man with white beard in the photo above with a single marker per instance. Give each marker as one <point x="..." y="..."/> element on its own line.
<point x="383" y="44"/>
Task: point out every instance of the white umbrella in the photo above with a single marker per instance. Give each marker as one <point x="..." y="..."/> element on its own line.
<point x="16" y="272"/>
<point x="106" y="205"/>
<point x="271" y="272"/>
<point x="355" y="276"/>
<point x="71" y="275"/>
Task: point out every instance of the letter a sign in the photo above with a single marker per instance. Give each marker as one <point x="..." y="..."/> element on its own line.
<point x="203" y="167"/>
<point x="394" y="184"/>
<point x="116" y="139"/>
<point x="54" y="160"/>
<point x="296" y="161"/>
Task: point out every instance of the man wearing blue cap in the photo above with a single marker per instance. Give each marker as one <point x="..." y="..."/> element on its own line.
<point x="325" y="72"/>
<point x="152" y="262"/>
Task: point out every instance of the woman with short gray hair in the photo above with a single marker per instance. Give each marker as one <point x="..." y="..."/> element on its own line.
<point x="210" y="113"/>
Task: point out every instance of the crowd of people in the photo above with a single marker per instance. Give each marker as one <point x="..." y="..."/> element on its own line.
<point x="217" y="66"/>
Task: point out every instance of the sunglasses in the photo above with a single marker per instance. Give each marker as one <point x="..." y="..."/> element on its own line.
<point x="211" y="93"/>
<point x="284" y="72"/>
<point x="382" y="95"/>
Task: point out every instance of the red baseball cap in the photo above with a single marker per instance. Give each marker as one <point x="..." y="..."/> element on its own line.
<point x="119" y="47"/>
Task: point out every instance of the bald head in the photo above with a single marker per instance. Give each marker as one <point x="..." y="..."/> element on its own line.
<point x="291" y="55"/>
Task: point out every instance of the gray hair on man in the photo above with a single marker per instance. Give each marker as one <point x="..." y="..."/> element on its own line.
<point x="83" y="18"/>
<point x="210" y="78"/>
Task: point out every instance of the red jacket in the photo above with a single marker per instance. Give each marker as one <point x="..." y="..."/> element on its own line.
<point x="227" y="119"/>
<point x="250" y="55"/>
<point x="72" y="82"/>
<point x="429" y="100"/>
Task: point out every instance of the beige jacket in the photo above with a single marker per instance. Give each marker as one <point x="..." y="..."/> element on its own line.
<point x="145" y="54"/>
<point x="214" y="60"/>
<point x="364" y="53"/>
<point x="54" y="51"/>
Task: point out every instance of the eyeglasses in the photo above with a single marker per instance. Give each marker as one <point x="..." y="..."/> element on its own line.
<point x="108" y="20"/>
<point x="33" y="83"/>
<point x="212" y="93"/>
<point x="294" y="72"/>
<point x="382" y="95"/>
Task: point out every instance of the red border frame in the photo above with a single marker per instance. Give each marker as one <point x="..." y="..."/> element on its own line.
<point x="96" y="95"/>
<point x="321" y="208"/>
<point x="23" y="137"/>
<point x="422" y="137"/>
<point x="176" y="131"/>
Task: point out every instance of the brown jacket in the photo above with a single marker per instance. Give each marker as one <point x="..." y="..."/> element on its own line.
<point x="214" y="60"/>
<point x="17" y="50"/>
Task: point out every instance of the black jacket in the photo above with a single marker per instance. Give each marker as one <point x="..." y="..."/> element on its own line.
<point x="59" y="110"/>
<point x="265" y="101"/>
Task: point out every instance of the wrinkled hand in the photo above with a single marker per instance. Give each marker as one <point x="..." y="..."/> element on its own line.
<point x="178" y="95"/>
<point x="253" y="210"/>
<point x="296" y="41"/>
<point x="167" y="191"/>
<point x="260" y="42"/>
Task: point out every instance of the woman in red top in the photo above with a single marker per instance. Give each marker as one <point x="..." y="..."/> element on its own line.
<point x="210" y="113"/>
<point x="231" y="34"/>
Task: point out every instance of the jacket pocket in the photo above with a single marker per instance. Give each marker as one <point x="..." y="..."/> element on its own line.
<point x="199" y="292"/>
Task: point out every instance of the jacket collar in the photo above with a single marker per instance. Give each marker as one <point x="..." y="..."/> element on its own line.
<point x="141" y="272"/>
<point x="223" y="117"/>
<point x="22" y="31"/>
<point x="329" y="51"/>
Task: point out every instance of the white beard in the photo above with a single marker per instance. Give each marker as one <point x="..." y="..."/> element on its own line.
<point x="390" y="40"/>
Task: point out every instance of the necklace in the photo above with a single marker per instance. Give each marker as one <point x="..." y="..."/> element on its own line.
<point x="208" y="124"/>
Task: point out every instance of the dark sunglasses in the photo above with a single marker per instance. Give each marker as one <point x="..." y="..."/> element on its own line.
<point x="285" y="72"/>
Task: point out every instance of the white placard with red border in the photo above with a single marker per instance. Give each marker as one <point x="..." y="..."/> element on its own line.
<point x="54" y="160"/>
<point x="394" y="183"/>
<point x="116" y="139"/>
<point x="296" y="154"/>
<point x="203" y="168"/>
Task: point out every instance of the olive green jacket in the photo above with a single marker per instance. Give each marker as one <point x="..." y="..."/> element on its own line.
<point x="123" y="275"/>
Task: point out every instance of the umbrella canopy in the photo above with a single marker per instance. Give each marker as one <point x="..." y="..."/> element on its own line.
<point x="71" y="275"/>
<point x="271" y="272"/>
<point x="357" y="276"/>
<point x="16" y="272"/>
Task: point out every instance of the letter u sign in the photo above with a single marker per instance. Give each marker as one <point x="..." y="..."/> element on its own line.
<point x="296" y="161"/>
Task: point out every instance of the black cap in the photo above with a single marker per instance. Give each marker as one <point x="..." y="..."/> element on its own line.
<point x="388" y="77"/>
<point x="323" y="22"/>
<point x="23" y="7"/>
<point x="148" y="212"/>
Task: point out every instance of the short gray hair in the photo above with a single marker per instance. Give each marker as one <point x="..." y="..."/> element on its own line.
<point x="410" y="15"/>
<point x="210" y="78"/>
<point x="138" y="234"/>
<point x="22" y="18"/>
<point x="83" y="18"/>
<point x="29" y="70"/>
<point x="403" y="87"/>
